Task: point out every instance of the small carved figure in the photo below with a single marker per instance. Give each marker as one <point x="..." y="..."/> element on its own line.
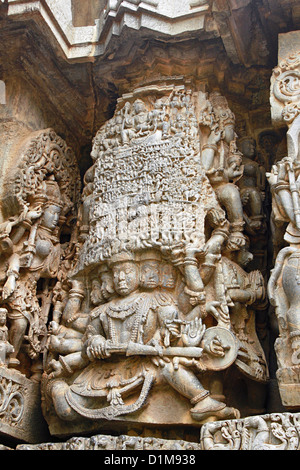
<point x="223" y="167"/>
<point x="5" y="347"/>
<point x="252" y="186"/>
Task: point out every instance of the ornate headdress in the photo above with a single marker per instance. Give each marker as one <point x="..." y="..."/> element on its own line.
<point x="48" y="193"/>
<point x="221" y="109"/>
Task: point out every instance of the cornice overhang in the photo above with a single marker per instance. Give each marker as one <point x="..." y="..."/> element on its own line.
<point x="86" y="43"/>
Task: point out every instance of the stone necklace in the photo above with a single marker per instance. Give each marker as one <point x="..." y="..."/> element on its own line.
<point x="139" y="306"/>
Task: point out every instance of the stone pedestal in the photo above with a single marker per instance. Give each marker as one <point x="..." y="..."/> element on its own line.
<point x="275" y="431"/>
<point x="20" y="408"/>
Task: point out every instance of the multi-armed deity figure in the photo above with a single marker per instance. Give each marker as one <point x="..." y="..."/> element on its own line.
<point x="152" y="316"/>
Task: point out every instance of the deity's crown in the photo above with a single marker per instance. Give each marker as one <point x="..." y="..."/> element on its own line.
<point x="49" y="193"/>
<point x="122" y="257"/>
<point x="149" y="255"/>
<point x="221" y="108"/>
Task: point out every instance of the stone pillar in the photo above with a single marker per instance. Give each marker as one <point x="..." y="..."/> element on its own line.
<point x="284" y="179"/>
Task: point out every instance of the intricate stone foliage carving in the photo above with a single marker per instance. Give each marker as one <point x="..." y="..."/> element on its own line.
<point x="12" y="402"/>
<point x="269" y="432"/>
<point x="159" y="301"/>
<point x="276" y="431"/>
<point x="20" y="413"/>
<point x="286" y="87"/>
<point x="285" y="94"/>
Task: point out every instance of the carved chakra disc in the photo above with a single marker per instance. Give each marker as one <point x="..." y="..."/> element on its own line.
<point x="222" y="337"/>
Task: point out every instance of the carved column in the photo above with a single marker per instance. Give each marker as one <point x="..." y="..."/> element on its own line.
<point x="284" y="181"/>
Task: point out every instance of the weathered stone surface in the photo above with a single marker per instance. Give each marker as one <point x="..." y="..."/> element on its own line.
<point x="278" y="431"/>
<point x="141" y="300"/>
<point x="164" y="302"/>
<point x="20" y="408"/>
<point x="283" y="179"/>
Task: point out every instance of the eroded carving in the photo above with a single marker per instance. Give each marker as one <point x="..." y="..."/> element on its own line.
<point x="269" y="432"/>
<point x="276" y="431"/>
<point x="40" y="204"/>
<point x="159" y="298"/>
<point x="284" y="182"/>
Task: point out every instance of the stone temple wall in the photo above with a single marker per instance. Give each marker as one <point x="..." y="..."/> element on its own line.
<point x="149" y="225"/>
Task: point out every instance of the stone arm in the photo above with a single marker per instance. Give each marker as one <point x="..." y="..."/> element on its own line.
<point x="94" y="339"/>
<point x="12" y="276"/>
<point x="13" y="230"/>
<point x="261" y="179"/>
<point x="281" y="190"/>
<point x="72" y="310"/>
<point x="254" y="291"/>
<point x="244" y="296"/>
<point x="209" y="150"/>
<point x="168" y="328"/>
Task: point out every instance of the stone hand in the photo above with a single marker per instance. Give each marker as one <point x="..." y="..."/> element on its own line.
<point x="35" y="214"/>
<point x="159" y="361"/>
<point x="9" y="287"/>
<point x="57" y="369"/>
<point x="214" y="137"/>
<point x="215" y="347"/>
<point x="193" y="332"/>
<point x="97" y="347"/>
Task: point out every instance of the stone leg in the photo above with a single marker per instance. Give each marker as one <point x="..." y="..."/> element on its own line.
<point x="16" y="335"/>
<point x="58" y="391"/>
<point x="66" y="365"/>
<point x="188" y="385"/>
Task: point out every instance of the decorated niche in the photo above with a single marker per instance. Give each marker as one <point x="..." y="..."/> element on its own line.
<point x="41" y="194"/>
<point x="160" y="305"/>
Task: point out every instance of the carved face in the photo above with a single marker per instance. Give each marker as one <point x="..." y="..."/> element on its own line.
<point x="3" y="313"/>
<point x="53" y="327"/>
<point x="150" y="274"/>
<point x="107" y="286"/>
<point x="248" y="148"/>
<point x="168" y="277"/>
<point x="139" y="107"/>
<point x="51" y="216"/>
<point x="125" y="277"/>
<point x="244" y="257"/>
<point x="96" y="295"/>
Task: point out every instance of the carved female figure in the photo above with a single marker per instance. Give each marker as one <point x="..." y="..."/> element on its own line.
<point x="252" y="186"/>
<point x="32" y="260"/>
<point x="223" y="166"/>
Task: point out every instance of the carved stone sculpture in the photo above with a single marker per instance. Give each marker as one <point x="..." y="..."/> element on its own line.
<point x="284" y="182"/>
<point x="252" y="187"/>
<point x="39" y="205"/>
<point x="154" y="311"/>
<point x="275" y="431"/>
<point x="36" y="205"/>
<point x="223" y="163"/>
<point x="6" y="348"/>
<point x="269" y="432"/>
